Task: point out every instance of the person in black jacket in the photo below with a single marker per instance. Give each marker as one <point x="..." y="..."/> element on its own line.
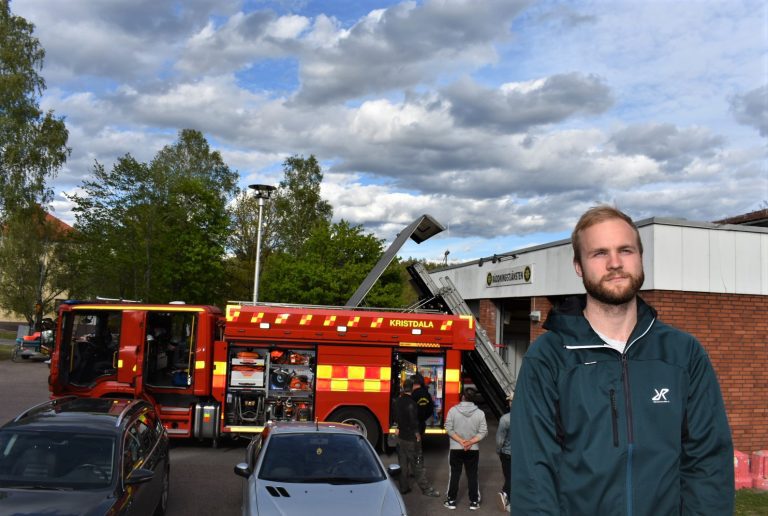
<point x="616" y="412"/>
<point x="424" y="402"/>
<point x="409" y="454"/>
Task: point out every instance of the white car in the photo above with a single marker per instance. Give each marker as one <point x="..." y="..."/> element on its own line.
<point x="316" y="469"/>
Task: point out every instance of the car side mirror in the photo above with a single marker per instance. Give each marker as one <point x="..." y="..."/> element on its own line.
<point x="140" y="476"/>
<point x="242" y="470"/>
<point x="394" y="470"/>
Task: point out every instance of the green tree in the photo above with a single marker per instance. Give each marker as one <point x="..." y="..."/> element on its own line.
<point x="244" y="216"/>
<point x="32" y="144"/>
<point x="288" y="218"/>
<point x="156" y="231"/>
<point x="297" y="207"/>
<point x="328" y="268"/>
<point x="33" y="270"/>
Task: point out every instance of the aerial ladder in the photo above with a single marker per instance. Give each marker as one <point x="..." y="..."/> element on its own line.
<point x="484" y="364"/>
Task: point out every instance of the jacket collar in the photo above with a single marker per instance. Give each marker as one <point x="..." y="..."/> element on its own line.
<point x="569" y="320"/>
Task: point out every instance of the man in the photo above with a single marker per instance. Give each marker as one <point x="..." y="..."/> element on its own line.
<point x="614" y="411"/>
<point x="466" y="427"/>
<point x="424" y="402"/>
<point x="409" y="454"/>
<point x="503" y="450"/>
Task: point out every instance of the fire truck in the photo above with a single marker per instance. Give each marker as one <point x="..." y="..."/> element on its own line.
<point x="212" y="373"/>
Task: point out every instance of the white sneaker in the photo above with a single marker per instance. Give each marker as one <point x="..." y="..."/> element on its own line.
<point x="503" y="502"/>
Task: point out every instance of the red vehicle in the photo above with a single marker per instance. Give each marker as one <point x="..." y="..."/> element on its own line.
<point x="212" y="374"/>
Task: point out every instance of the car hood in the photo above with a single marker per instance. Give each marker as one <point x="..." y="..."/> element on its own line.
<point x="286" y="499"/>
<point x="54" y="503"/>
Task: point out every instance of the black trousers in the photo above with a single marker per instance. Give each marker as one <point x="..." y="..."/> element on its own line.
<point x="468" y="460"/>
<point x="411" y="460"/>
<point x="506" y="466"/>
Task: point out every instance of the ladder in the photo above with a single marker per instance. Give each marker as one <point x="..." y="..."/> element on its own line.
<point x="489" y="372"/>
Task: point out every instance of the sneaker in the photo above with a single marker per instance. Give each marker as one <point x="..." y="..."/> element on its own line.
<point x="502" y="499"/>
<point x="473" y="506"/>
<point x="451" y="504"/>
<point x="431" y="492"/>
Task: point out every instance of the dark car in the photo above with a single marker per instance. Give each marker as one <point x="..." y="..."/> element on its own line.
<point x="84" y="456"/>
<point x="317" y="469"/>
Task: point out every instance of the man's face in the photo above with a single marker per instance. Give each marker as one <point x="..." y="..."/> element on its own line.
<point x="611" y="265"/>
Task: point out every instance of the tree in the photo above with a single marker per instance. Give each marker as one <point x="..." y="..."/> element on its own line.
<point x="156" y="231"/>
<point x="32" y="263"/>
<point x="297" y="206"/>
<point x="288" y="218"/>
<point x="32" y="144"/>
<point x="328" y="268"/>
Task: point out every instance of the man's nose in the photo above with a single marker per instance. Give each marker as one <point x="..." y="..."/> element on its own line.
<point x="614" y="261"/>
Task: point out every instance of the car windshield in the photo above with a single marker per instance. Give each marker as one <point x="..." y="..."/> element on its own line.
<point x="320" y="458"/>
<point x="55" y="460"/>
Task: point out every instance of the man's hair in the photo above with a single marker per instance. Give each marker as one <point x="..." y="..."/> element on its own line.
<point x="468" y="394"/>
<point x="596" y="215"/>
<point x="408" y="385"/>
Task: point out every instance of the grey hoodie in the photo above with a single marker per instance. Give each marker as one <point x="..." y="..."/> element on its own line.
<point x="468" y="421"/>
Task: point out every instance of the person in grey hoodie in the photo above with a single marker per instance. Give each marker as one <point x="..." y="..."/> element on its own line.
<point x="503" y="449"/>
<point x="466" y="426"/>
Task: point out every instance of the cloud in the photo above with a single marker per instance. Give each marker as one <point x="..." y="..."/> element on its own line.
<point x="501" y="118"/>
<point x="404" y="45"/>
<point x="667" y="144"/>
<point x="517" y="107"/>
<point x="751" y="109"/>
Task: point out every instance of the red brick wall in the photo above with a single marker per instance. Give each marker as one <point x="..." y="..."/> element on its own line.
<point x="734" y="331"/>
<point x="543" y="305"/>
<point x="488" y="318"/>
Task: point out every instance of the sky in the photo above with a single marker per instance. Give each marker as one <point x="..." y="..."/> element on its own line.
<point x="502" y="119"/>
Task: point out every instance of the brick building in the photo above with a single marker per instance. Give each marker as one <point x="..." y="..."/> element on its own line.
<point x="709" y="279"/>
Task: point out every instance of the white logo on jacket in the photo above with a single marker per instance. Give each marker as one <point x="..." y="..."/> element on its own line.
<point x="661" y="396"/>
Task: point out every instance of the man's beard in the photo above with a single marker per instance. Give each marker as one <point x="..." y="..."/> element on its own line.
<point x="601" y="293"/>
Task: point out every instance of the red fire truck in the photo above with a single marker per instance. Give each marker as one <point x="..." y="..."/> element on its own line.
<point x="212" y="374"/>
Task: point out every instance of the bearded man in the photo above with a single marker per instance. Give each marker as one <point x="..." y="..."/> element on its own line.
<point x="616" y="412"/>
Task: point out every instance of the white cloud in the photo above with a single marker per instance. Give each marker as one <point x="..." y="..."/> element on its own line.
<point x="502" y="119"/>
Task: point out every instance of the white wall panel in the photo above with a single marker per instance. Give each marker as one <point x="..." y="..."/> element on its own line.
<point x="695" y="261"/>
<point x="722" y="270"/>
<point x="748" y="263"/>
<point x="764" y="264"/>
<point x="649" y="246"/>
<point x="667" y="258"/>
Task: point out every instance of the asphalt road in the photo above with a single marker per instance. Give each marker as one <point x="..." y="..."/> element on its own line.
<point x="202" y="481"/>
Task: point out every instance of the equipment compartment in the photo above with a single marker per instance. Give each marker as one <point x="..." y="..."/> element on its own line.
<point x="269" y="384"/>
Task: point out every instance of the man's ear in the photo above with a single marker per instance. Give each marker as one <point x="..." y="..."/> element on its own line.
<point x="577" y="266"/>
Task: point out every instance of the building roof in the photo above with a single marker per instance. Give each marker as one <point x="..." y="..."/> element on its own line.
<point x="753" y="218"/>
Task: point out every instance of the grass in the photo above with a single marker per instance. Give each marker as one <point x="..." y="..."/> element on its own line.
<point x="6" y="334"/>
<point x="750" y="502"/>
<point x="5" y="352"/>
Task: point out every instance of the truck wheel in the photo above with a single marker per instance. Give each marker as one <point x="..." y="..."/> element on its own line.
<point x="362" y="419"/>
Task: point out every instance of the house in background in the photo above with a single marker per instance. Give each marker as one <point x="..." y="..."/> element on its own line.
<point x="10" y="319"/>
<point x="709" y="279"/>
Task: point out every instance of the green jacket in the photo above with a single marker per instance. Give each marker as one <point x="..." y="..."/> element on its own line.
<point x="596" y="432"/>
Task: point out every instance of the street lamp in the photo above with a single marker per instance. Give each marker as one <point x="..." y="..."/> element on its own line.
<point x="262" y="193"/>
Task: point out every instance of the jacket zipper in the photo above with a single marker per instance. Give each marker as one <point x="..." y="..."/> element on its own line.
<point x="628" y="406"/>
<point x="630" y="431"/>
<point x="614" y="419"/>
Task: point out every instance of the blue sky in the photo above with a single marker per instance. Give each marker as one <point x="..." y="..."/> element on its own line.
<point x="503" y="119"/>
